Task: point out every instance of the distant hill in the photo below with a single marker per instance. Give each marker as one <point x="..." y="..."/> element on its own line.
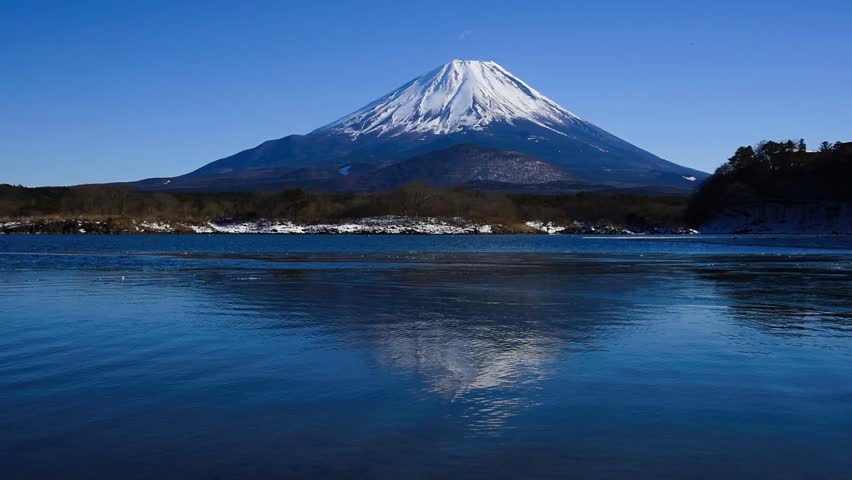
<point x="471" y="166"/>
<point x="464" y="164"/>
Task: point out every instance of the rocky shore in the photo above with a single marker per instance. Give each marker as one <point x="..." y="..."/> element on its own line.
<point x="783" y="218"/>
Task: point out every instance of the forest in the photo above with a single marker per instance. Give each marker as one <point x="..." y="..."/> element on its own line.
<point x="298" y="206"/>
<point x="783" y="172"/>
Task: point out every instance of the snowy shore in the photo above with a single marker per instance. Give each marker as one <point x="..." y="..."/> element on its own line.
<point x="373" y="225"/>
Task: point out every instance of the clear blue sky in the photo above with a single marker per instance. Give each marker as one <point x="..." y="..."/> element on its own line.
<point x="95" y="91"/>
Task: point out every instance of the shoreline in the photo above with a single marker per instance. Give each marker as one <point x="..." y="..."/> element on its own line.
<point x="382" y="226"/>
<point x="367" y="226"/>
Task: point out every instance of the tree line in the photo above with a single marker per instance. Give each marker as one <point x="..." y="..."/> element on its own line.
<point x="298" y="206"/>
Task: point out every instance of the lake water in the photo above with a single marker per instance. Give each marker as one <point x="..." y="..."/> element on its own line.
<point x="425" y="357"/>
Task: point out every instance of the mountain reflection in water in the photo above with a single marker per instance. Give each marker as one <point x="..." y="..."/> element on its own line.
<point x="250" y="363"/>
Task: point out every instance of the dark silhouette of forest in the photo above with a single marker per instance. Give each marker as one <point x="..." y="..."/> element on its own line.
<point x="782" y="172"/>
<point x="413" y="200"/>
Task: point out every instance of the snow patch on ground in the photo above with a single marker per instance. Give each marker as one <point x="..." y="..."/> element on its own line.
<point x="370" y="225"/>
<point x="549" y="228"/>
<point x="150" y="226"/>
<point x="578" y="227"/>
<point x="202" y="228"/>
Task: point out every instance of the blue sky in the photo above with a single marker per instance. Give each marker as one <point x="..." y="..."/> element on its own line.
<point x="96" y="91"/>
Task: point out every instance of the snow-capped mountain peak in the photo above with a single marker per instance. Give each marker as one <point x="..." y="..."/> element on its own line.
<point x="465" y="102"/>
<point x="463" y="94"/>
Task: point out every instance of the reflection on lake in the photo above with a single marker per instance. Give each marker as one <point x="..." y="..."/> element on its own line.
<point x="506" y="357"/>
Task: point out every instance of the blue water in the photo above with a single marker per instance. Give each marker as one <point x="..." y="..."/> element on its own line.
<point x="425" y="357"/>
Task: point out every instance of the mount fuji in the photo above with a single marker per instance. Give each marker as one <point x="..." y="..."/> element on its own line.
<point x="464" y="102"/>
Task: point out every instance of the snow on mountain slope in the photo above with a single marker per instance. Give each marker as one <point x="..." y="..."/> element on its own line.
<point x="463" y="94"/>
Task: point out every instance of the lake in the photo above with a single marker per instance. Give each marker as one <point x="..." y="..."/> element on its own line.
<point x="231" y="356"/>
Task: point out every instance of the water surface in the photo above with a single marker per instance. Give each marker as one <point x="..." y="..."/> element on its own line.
<point x="425" y="357"/>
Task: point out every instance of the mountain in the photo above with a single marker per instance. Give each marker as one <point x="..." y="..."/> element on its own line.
<point x="462" y="102"/>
